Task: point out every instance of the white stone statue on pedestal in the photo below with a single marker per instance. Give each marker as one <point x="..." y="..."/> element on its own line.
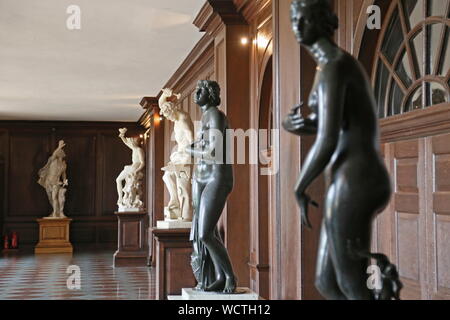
<point x="130" y="195"/>
<point x="54" y="179"/>
<point x="177" y="176"/>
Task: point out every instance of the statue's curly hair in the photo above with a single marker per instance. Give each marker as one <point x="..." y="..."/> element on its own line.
<point x="213" y="90"/>
<point x="319" y="11"/>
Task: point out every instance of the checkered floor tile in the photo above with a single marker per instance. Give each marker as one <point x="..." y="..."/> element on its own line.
<point x="30" y="277"/>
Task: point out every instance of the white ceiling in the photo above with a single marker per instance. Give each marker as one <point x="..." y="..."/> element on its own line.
<point x="125" y="50"/>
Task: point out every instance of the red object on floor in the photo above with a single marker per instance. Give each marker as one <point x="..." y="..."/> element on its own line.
<point x="5" y="242"/>
<point x="14" y="240"/>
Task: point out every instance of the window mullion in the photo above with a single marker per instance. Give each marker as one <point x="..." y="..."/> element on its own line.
<point x="426" y="56"/>
<point x="406" y="39"/>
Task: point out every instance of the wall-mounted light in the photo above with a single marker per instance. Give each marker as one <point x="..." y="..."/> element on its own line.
<point x="262" y="41"/>
<point x="244" y="41"/>
<point x="157" y="119"/>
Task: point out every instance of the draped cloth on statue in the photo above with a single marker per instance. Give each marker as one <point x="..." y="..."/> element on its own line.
<point x="201" y="262"/>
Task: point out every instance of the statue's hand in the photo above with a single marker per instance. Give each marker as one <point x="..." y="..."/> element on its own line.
<point x="296" y="124"/>
<point x="65" y="183"/>
<point x="122" y="132"/>
<point x="304" y="201"/>
<point x="294" y="121"/>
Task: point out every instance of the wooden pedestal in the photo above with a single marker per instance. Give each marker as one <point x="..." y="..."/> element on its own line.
<point x="173" y="262"/>
<point x="132" y="240"/>
<point x="54" y="236"/>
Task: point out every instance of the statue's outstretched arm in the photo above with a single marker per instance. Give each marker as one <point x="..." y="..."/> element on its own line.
<point x="126" y="141"/>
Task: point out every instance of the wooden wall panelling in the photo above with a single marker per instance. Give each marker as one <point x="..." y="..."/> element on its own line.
<point x="28" y="152"/>
<point x="409" y="224"/>
<point x="261" y="101"/>
<point x="351" y="14"/>
<point x="3" y="176"/>
<point x="220" y="64"/>
<point x="254" y="123"/>
<point x="25" y="199"/>
<point x="95" y="156"/>
<point x="438" y="216"/>
<point x="155" y="146"/>
<point x="286" y="258"/>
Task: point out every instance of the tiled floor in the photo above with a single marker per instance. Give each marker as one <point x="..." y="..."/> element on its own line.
<point x="24" y="277"/>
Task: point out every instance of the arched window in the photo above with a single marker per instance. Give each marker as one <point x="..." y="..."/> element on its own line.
<point x="413" y="57"/>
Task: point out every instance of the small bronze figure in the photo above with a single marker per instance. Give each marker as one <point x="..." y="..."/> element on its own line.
<point x="212" y="183"/>
<point x="347" y="150"/>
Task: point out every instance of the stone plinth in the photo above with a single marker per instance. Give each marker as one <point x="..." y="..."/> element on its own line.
<point x="174" y="224"/>
<point x="54" y="236"/>
<point x="191" y="294"/>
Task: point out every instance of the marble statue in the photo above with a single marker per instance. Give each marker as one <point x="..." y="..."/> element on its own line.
<point x="130" y="195"/>
<point x="347" y="150"/>
<point x="177" y="176"/>
<point x="212" y="183"/>
<point x="54" y="179"/>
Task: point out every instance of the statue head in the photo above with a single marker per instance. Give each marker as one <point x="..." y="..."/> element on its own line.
<point x="312" y="20"/>
<point x="169" y="111"/>
<point x="168" y="104"/>
<point x="207" y="93"/>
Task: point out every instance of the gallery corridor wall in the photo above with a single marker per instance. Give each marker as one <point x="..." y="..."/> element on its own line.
<point x="95" y="156"/>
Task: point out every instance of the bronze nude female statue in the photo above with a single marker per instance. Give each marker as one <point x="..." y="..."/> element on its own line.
<point x="347" y="150"/>
<point x="212" y="183"/>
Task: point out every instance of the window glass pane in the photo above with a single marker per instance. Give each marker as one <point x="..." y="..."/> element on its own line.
<point x="438" y="94"/>
<point x="393" y="38"/>
<point x="415" y="100"/>
<point x="417" y="48"/>
<point x="445" y="62"/>
<point x="380" y="87"/>
<point x="404" y="70"/>
<point x="414" y="11"/>
<point x="436" y="8"/>
<point x="435" y="32"/>
<point x="395" y="100"/>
